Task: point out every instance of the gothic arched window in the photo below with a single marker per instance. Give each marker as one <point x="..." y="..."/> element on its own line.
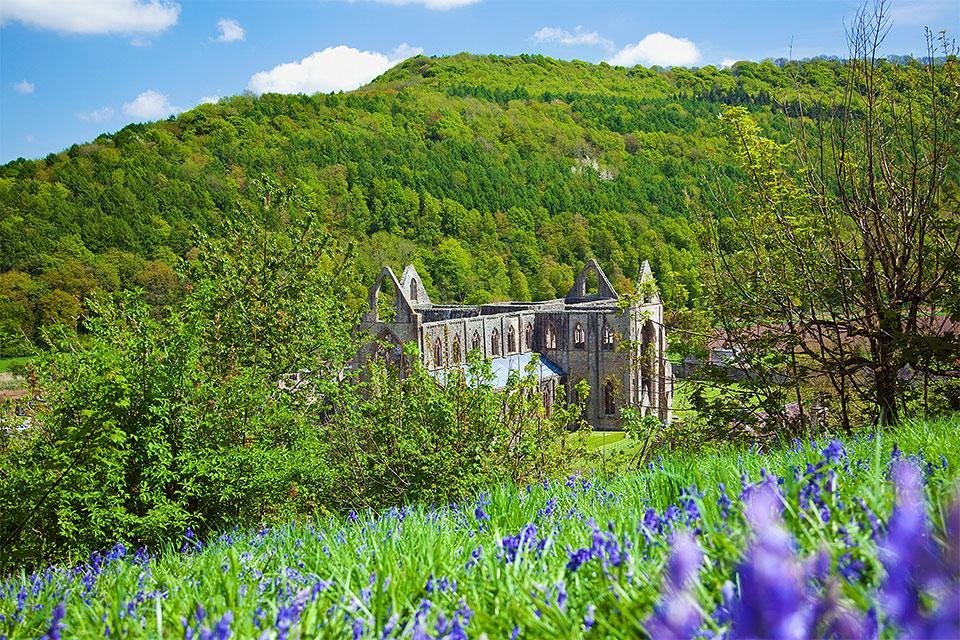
<point x="455" y="351"/>
<point x="511" y="339"/>
<point x="475" y="342"/>
<point x="438" y="353"/>
<point x="495" y="342"/>
<point x="528" y="337"/>
<point x="579" y="337"/>
<point x="413" y="290"/>
<point x="608" y="336"/>
<point x="550" y="339"/>
<point x="609" y="406"/>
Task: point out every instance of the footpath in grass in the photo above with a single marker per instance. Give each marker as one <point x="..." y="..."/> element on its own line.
<point x="852" y="539"/>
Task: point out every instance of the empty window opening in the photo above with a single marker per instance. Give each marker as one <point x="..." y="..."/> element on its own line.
<point x="608" y="338"/>
<point x="386" y="302"/>
<point x="495" y="342"/>
<point x="413" y="290"/>
<point x="511" y="339"/>
<point x="528" y="337"/>
<point x="550" y="340"/>
<point x="438" y="352"/>
<point x="609" y="405"/>
<point x="475" y="342"/>
<point x="579" y="336"/>
<point x="591" y="284"/>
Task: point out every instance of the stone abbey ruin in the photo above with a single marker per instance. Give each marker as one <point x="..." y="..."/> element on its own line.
<point x="617" y="346"/>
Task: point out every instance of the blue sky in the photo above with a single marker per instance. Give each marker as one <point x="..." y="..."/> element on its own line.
<point x="72" y="69"/>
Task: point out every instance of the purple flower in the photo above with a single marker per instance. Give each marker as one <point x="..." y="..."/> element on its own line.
<point x="480" y="514"/>
<point x="833" y="452"/>
<point x="56" y="621"/>
<point x="723" y="501"/>
<point x="222" y="629"/>
<point x="561" y="595"/>
<point x="577" y="558"/>
<point x="914" y="564"/>
<point x="773" y="602"/>
<point x="589" y="618"/>
<point x="513" y="546"/>
<point x="677" y="616"/>
<point x="850" y="568"/>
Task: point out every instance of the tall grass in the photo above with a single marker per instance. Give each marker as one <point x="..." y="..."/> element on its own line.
<point x="500" y="564"/>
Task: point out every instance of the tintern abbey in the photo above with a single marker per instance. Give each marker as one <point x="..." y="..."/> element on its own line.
<point x="591" y="334"/>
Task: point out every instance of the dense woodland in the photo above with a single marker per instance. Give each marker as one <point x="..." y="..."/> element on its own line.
<point x="497" y="176"/>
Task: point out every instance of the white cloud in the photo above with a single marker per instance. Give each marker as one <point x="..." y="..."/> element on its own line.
<point x="230" y="30"/>
<point x="658" y="49"/>
<point x="93" y="16"/>
<point x="577" y="37"/>
<point x="29" y="138"/>
<point x="726" y="63"/>
<point x="339" y="68"/>
<point x="97" y="115"/>
<point x="24" y="87"/>
<point x="438" y="5"/>
<point x="150" y="105"/>
<point x="210" y="99"/>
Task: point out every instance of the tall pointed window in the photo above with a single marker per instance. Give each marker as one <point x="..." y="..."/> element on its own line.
<point x="438" y="353"/>
<point x="579" y="337"/>
<point x="609" y="405"/>
<point x="608" y="336"/>
<point x="550" y="337"/>
<point x="475" y="342"/>
<point x="511" y="339"/>
<point x="455" y="351"/>
<point x="528" y="337"/>
<point x="413" y="290"/>
<point x="495" y="342"/>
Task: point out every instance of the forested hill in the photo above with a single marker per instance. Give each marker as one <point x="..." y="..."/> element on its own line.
<point x="498" y="176"/>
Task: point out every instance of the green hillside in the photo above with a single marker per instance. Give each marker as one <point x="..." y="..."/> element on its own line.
<point x="498" y="176"/>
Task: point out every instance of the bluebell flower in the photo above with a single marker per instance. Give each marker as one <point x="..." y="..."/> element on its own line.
<point x="833" y="452"/>
<point x="850" y="568"/>
<point x="56" y="621"/>
<point x="723" y="501"/>
<point x="772" y="601"/>
<point x="221" y="631"/>
<point x="676" y="616"/>
<point x="589" y="617"/>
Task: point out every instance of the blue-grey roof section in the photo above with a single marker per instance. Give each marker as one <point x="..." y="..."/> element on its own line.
<point x="502" y="367"/>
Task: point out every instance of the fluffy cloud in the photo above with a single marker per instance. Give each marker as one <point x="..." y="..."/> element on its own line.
<point x="658" y="49"/>
<point x="93" y="16"/>
<point x="726" y="63"/>
<point x="210" y="99"/>
<point x="577" y="37"/>
<point x="24" y="87"/>
<point x="439" y="5"/>
<point x="150" y="105"/>
<point x="97" y="115"/>
<point x="339" y="68"/>
<point x="230" y="30"/>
